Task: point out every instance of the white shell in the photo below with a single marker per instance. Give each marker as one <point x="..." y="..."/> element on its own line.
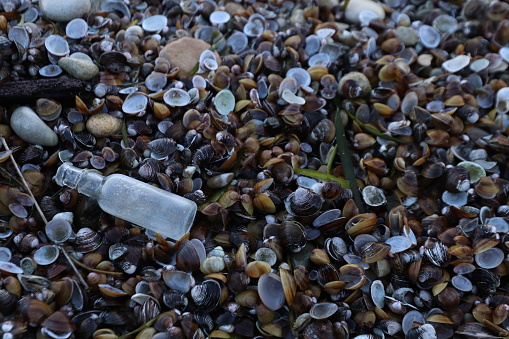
<point x="455" y="199"/>
<point x="154" y="23"/>
<point x="5" y="254"/>
<point x="399" y="243"/>
<point x="76" y="28"/>
<point x="135" y="103"/>
<point x="176" y="97"/>
<point x="56" y="45"/>
<point x="456" y="64"/>
<point x="301" y="75"/>
<point x="291" y="98"/>
<point x="373" y="196"/>
<point x="58" y="230"/>
<point x="504" y="53"/>
<point x="429" y="36"/>
<point x="490" y="258"/>
<point x="378" y="293"/>
<point x="219" y="17"/>
<point x="224" y="102"/>
<point x="502" y="102"/>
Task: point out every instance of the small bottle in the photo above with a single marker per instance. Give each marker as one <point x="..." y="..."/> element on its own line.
<point x="132" y="200"/>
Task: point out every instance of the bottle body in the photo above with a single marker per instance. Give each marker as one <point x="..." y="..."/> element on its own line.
<point x="153" y="208"/>
<point x="132" y="200"/>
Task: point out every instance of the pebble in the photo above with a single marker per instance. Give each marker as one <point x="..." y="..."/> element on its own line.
<point x="234" y="8"/>
<point x="356" y="6"/>
<point x="360" y="79"/>
<point x="64" y="10"/>
<point x="103" y="125"/>
<point x="184" y="53"/>
<point x="407" y="35"/>
<point x="29" y="127"/>
<point x="81" y="69"/>
<point x="297" y="17"/>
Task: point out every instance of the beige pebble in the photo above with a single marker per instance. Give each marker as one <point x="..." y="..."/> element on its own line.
<point x="184" y="53"/>
<point x="103" y="125"/>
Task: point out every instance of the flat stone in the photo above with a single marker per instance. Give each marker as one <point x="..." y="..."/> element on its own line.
<point x="407" y="35"/>
<point x="81" y="69"/>
<point x="184" y="53"/>
<point x="356" y="6"/>
<point x="28" y="126"/>
<point x="64" y="10"/>
<point x="103" y="125"/>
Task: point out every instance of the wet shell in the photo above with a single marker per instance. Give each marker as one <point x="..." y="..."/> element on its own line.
<point x="206" y="296"/>
<point x="87" y="240"/>
<point x="270" y="290"/>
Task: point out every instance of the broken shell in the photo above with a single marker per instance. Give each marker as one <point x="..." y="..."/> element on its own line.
<point x="373" y="196"/>
<point x="323" y="310"/>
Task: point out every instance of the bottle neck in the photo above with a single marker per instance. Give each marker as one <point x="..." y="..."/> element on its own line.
<point x="84" y="181"/>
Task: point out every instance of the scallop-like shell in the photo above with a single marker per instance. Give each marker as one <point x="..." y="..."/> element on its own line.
<point x="87" y="240"/>
<point x="176" y="97"/>
<point x="270" y="290"/>
<point x="76" y="28"/>
<point x="46" y="255"/>
<point x="224" y="102"/>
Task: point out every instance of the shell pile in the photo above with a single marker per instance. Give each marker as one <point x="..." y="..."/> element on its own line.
<point x="349" y="161"/>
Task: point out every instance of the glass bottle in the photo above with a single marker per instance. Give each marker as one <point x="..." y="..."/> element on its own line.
<point x="127" y="198"/>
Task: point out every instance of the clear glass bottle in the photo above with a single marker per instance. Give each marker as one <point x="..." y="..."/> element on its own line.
<point x="127" y="198"/>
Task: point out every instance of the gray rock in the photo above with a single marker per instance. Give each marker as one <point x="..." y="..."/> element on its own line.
<point x="103" y="125"/>
<point x="407" y="35"/>
<point x="29" y="127"/>
<point x="81" y="69"/>
<point x="357" y="6"/>
<point x="64" y="10"/>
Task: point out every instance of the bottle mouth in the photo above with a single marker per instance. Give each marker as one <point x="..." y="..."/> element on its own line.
<point x="67" y="175"/>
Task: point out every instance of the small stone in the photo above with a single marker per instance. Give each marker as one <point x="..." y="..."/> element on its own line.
<point x="81" y="69"/>
<point x="355" y="7"/>
<point x="297" y="17"/>
<point x="29" y="127"/>
<point x="234" y="8"/>
<point x="103" y="125"/>
<point x="361" y="80"/>
<point x="184" y="53"/>
<point x="407" y="35"/>
<point x="64" y="10"/>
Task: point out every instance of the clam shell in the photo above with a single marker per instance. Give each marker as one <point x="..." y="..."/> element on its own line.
<point x="224" y="102"/>
<point x="270" y="290"/>
<point x="50" y="71"/>
<point x="377" y="290"/>
<point x="238" y="42"/>
<point x="301" y="75"/>
<point x="76" y="28"/>
<point x="46" y="255"/>
<point x="156" y="81"/>
<point x="490" y="258"/>
<point x="207" y="295"/>
<point x="178" y="280"/>
<point x="176" y="97"/>
<point x="56" y="45"/>
<point x="456" y="64"/>
<point x="373" y="196"/>
<point x="154" y="23"/>
<point x="135" y="103"/>
<point x="461" y="283"/>
<point x="87" y="240"/>
<point x="58" y="230"/>
<point x="323" y="310"/>
<point x="429" y="36"/>
<point x="219" y="17"/>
